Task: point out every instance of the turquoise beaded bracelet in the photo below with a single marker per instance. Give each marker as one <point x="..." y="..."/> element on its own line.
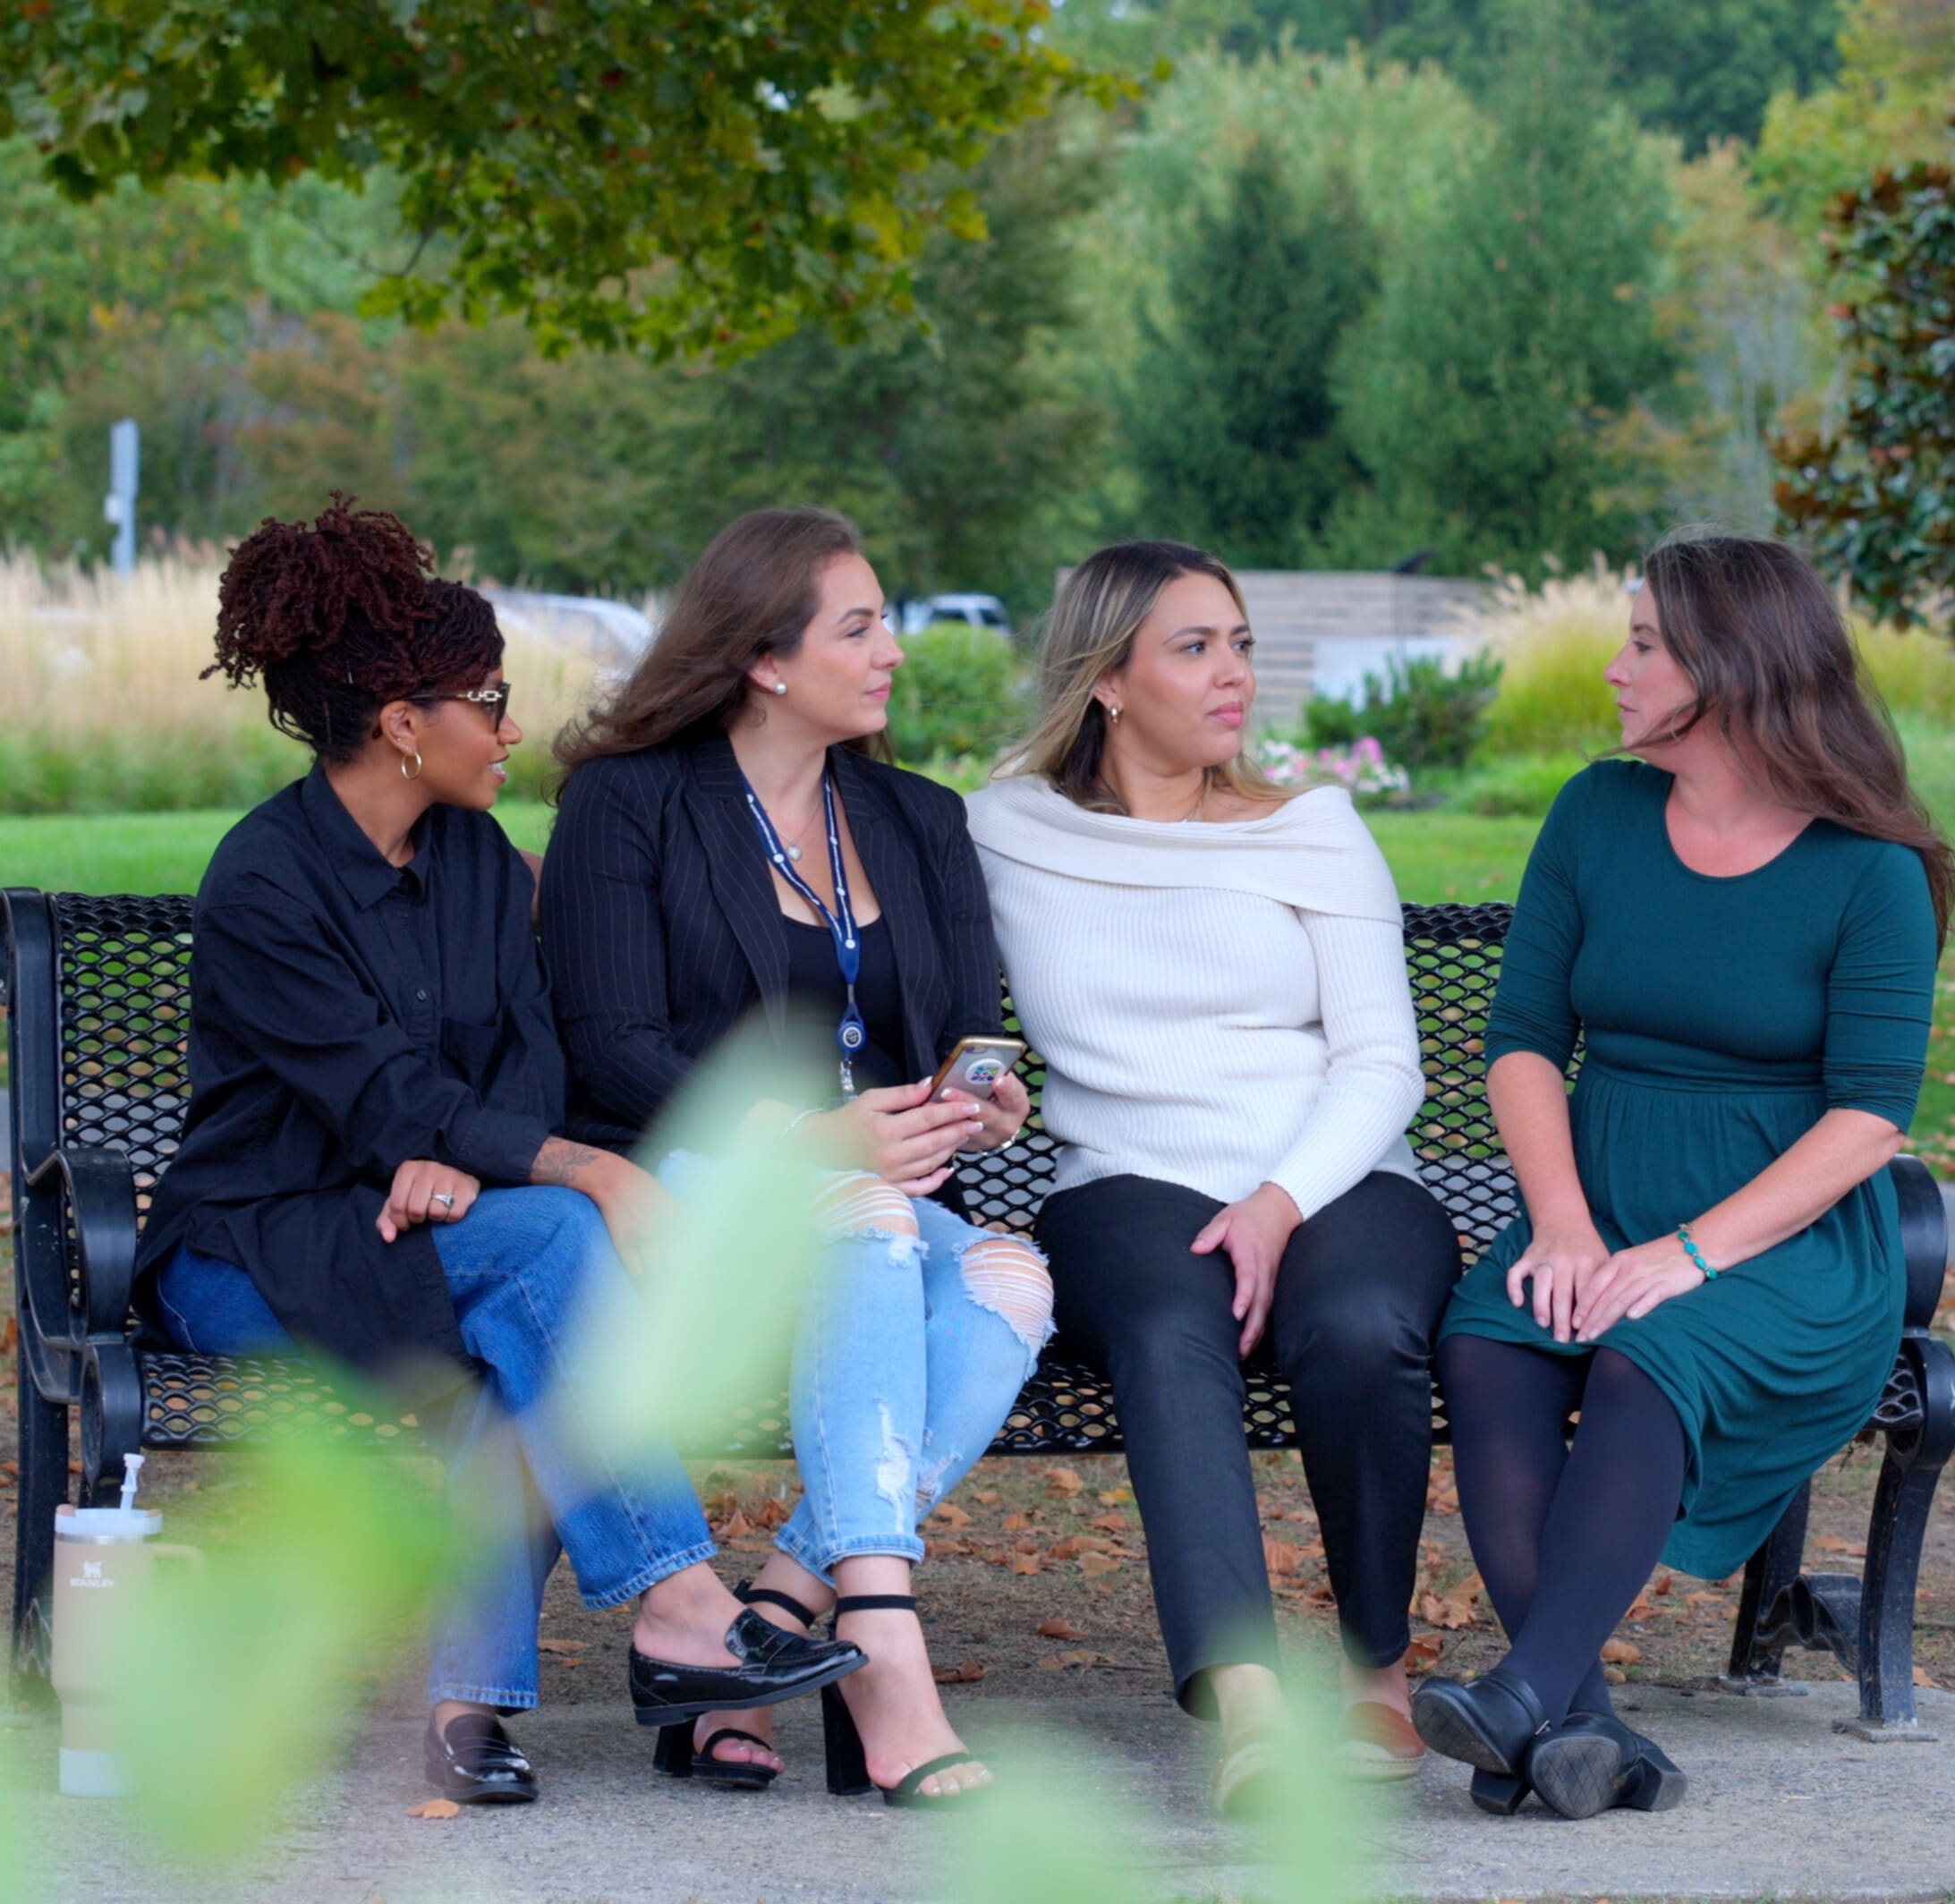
<point x="1696" y="1254"/>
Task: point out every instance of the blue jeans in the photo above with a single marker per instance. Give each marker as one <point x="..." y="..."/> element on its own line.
<point x="909" y="1353"/>
<point x="519" y="1265"/>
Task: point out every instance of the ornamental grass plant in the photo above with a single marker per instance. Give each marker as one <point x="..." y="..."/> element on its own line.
<point x="101" y="708"/>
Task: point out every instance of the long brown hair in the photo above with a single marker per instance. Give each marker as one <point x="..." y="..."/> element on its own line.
<point x="1099" y="608"/>
<point x="1771" y="664"/>
<point x="752" y="593"/>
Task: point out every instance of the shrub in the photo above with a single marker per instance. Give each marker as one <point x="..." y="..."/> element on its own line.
<point x="1555" y="641"/>
<point x="961" y="690"/>
<point x="1519" y="785"/>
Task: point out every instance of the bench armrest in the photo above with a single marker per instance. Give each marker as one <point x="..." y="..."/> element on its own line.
<point x="99" y="1188"/>
<point x="1923" y="1236"/>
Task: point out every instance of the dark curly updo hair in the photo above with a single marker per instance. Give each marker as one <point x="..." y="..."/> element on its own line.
<point x="341" y="616"/>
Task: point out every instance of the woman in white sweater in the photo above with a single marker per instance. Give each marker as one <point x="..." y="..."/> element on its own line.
<point x="1213" y="971"/>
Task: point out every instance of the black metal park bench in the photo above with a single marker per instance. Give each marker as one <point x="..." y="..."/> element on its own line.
<point x="97" y="996"/>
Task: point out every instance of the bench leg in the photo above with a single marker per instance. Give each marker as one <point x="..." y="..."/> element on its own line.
<point x="42" y="1487"/>
<point x="1910" y="1470"/>
<point x="1756" y="1662"/>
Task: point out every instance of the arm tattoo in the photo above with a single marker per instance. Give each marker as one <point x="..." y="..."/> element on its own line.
<point x="559" y="1161"/>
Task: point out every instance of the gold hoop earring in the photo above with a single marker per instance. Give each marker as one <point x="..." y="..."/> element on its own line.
<point x="416" y="774"/>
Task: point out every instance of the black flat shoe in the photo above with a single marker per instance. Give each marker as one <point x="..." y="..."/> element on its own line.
<point x="848" y="1763"/>
<point x="1592" y="1763"/>
<point x="770" y="1666"/>
<point x="1489" y="1724"/>
<point x="679" y="1758"/>
<point x="474" y="1762"/>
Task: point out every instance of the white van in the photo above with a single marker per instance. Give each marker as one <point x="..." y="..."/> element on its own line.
<point x="980" y="611"/>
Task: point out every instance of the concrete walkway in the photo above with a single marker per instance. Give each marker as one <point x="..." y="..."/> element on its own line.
<point x="1781" y="1806"/>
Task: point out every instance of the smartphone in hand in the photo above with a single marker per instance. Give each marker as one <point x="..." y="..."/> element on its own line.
<point x="975" y="1065"/>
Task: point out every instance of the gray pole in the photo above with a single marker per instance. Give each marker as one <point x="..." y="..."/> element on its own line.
<point x="125" y="478"/>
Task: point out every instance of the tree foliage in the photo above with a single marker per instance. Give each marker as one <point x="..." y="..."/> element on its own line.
<point x="1236" y="432"/>
<point x="696" y="175"/>
<point x="1703" y="69"/>
<point x="1482" y="399"/>
<point x="1871" y="497"/>
<point x="1889" y="105"/>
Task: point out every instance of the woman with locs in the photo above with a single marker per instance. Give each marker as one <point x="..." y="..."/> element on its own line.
<point x="1742" y="920"/>
<point x="1213" y="969"/>
<point x="733" y="840"/>
<point x="371" y="1165"/>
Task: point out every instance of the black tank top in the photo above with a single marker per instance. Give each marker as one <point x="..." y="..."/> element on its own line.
<point x="817" y="998"/>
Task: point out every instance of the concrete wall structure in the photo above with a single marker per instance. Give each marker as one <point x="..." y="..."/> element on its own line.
<point x="1321" y="633"/>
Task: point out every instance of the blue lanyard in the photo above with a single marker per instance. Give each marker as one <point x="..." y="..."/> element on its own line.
<point x="851" y="1033"/>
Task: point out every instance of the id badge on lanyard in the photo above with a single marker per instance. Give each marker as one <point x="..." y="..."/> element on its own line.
<point x="850" y="1034"/>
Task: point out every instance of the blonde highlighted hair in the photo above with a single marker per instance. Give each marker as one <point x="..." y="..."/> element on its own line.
<point x="1088" y="634"/>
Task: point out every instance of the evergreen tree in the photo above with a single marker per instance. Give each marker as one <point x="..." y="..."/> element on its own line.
<point x="1234" y="429"/>
<point x="1482" y="399"/>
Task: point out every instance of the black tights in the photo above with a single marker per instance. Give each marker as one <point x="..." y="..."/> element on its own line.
<point x="1564" y="1536"/>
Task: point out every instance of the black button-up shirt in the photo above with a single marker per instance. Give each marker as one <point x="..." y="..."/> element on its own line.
<point x="348" y="1015"/>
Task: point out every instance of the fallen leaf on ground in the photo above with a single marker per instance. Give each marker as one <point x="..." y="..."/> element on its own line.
<point x="965" y="1672"/>
<point x="1620" y="1653"/>
<point x="1075" y="1544"/>
<point x="950" y="1515"/>
<point x="435" y="1808"/>
<point x="10" y="1335"/>
<point x="1640" y="1609"/>
<point x="1063" y="1481"/>
<point x="735" y="1528"/>
<point x="1093" y="1565"/>
<point x="1111" y="1523"/>
<point x="1016" y="1523"/>
<point x="1833" y="1544"/>
<point x="1025" y="1563"/>
<point x="1701" y="1599"/>
<point x="574" y="1647"/>
<point x="1454" y="1613"/>
<point x="1278" y="1555"/>
<point x="1615" y="1676"/>
<point x="1923" y="1677"/>
<point x="1422" y="1655"/>
<point x="1116" y="1497"/>
<point x="1665" y="1583"/>
<point x="1059" y="1629"/>
<point x="986" y="1497"/>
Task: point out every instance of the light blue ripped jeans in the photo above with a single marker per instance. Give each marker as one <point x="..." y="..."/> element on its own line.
<point x="910" y="1351"/>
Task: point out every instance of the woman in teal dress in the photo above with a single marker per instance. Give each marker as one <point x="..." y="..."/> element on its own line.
<point x="1742" y="924"/>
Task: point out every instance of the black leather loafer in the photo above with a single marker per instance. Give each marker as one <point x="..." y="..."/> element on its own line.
<point x="1490" y="1724"/>
<point x="772" y="1665"/>
<point x="1592" y="1763"/>
<point x="474" y="1762"/>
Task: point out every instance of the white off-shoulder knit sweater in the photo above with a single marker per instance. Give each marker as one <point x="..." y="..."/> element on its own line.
<point x="1219" y="1005"/>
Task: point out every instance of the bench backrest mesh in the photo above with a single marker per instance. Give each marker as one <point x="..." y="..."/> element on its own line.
<point x="122" y="970"/>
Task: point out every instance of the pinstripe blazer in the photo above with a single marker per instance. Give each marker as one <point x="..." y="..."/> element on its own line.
<point x="662" y="929"/>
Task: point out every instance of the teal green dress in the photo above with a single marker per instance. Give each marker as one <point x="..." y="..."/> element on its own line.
<point x="1722" y="1018"/>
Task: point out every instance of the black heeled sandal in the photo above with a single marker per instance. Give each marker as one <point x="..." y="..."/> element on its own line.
<point x="842" y="1741"/>
<point x="678" y="1757"/>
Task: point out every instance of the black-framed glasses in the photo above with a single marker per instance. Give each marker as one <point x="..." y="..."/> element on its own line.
<point x="496" y="700"/>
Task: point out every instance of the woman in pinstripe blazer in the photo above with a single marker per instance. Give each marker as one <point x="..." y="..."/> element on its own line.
<point x="756" y="726"/>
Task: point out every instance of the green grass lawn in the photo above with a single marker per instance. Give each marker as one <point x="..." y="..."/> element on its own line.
<point x="1434" y="855"/>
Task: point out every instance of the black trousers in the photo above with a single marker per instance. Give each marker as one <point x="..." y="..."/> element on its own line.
<point x="1358" y="1299"/>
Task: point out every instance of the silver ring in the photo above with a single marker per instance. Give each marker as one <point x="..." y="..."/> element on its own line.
<point x="445" y="1199"/>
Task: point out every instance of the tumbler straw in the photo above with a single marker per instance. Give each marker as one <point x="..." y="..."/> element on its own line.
<point x="131" y="1473"/>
